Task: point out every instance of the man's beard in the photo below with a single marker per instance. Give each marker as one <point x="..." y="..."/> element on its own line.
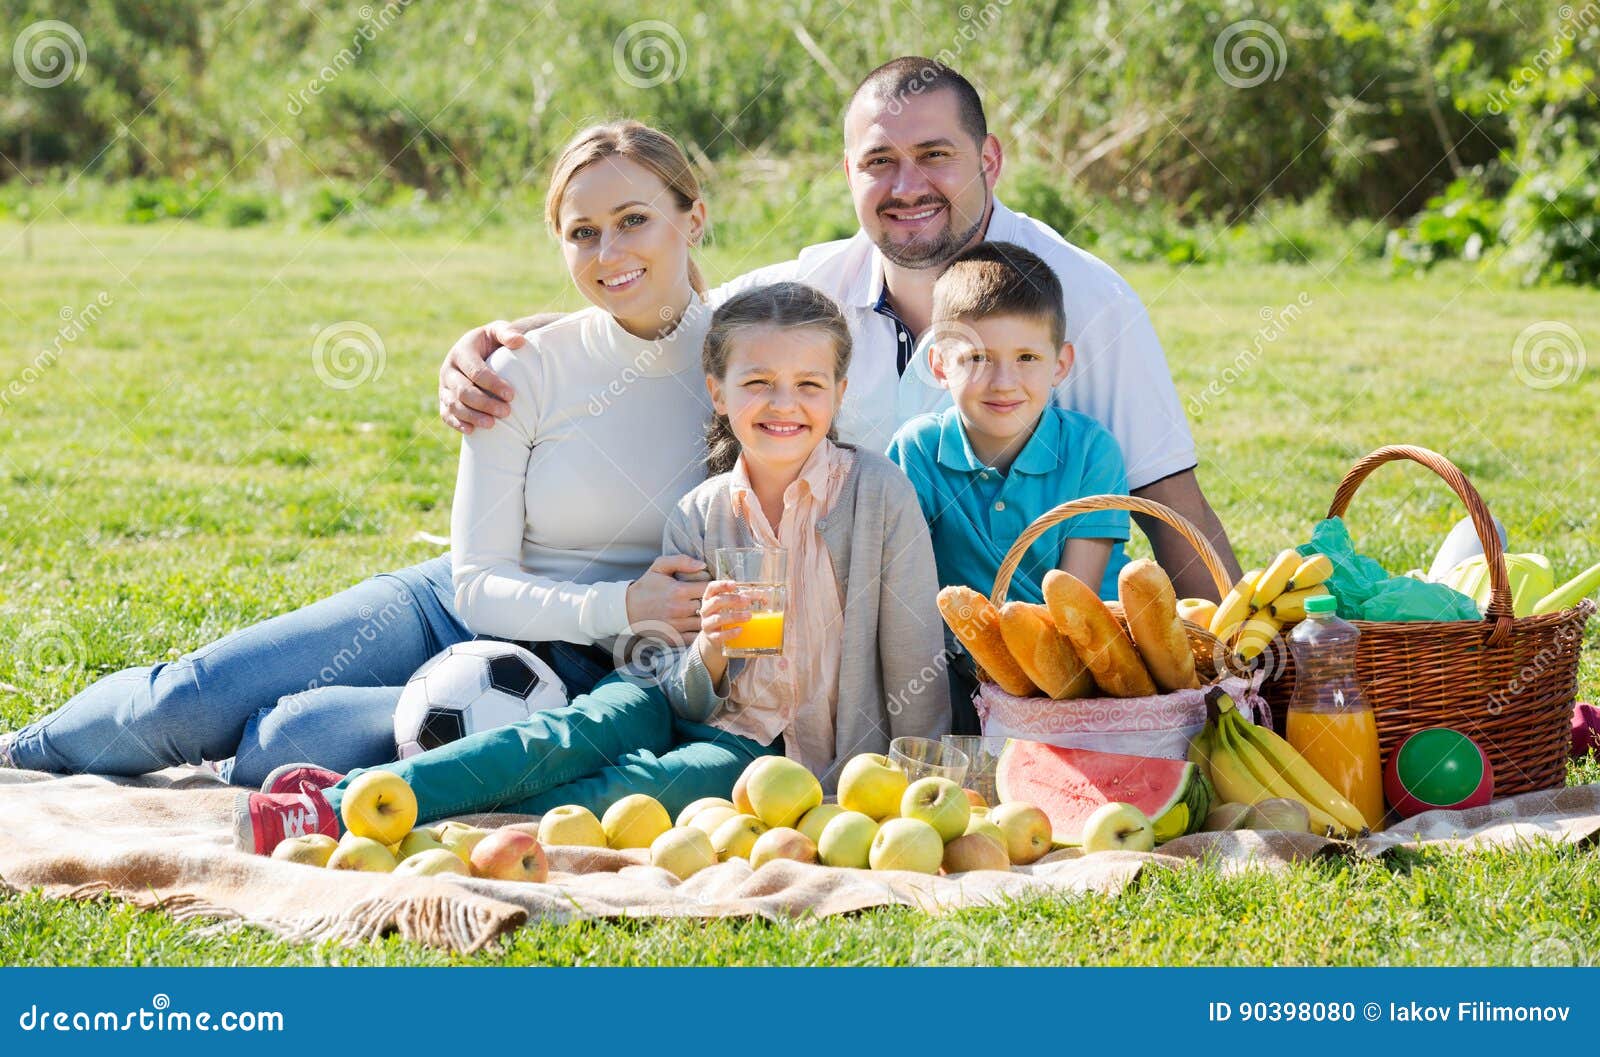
<point x="932" y="254"/>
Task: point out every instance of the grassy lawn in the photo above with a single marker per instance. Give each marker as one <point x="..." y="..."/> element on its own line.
<point x="182" y="468"/>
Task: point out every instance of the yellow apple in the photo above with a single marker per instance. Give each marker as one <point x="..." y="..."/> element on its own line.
<point x="682" y="851"/>
<point x="686" y="816"/>
<point x="460" y="839"/>
<point x="986" y="826"/>
<point x="313" y="849"/>
<point x="741" y="787"/>
<point x="940" y="803"/>
<point x="782" y="792"/>
<point x="380" y="805"/>
<point x="872" y="785"/>
<point x="635" y="821"/>
<point x="817" y="818"/>
<point x="975" y="851"/>
<point x="361" y="853"/>
<point x="707" y="820"/>
<point x="1118" y="827"/>
<point x="1026" y="829"/>
<point x="736" y="836"/>
<point x="782" y="843"/>
<point x="908" y="844"/>
<point x="847" y="840"/>
<point x="572" y="824"/>
<point x="425" y="838"/>
<point x="432" y="862"/>
<point x="510" y="855"/>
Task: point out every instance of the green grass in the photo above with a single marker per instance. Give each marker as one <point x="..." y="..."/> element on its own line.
<point x="181" y="471"/>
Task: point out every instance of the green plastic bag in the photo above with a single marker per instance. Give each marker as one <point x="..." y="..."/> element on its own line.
<point x="1366" y="591"/>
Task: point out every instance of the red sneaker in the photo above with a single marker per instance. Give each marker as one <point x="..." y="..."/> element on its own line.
<point x="293" y="777"/>
<point x="262" y="820"/>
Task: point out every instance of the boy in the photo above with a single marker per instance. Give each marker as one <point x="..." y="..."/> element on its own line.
<point x="1005" y="453"/>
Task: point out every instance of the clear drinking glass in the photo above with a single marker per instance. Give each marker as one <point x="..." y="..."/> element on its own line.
<point x="762" y="574"/>
<point x="983" y="755"/>
<point x="926" y="758"/>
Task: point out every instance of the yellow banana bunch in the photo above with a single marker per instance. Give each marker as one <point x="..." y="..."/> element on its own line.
<point x="1249" y="764"/>
<point x="1276" y="577"/>
<point x="1234" y="609"/>
<point x="1310" y="573"/>
<point x="1291" y="605"/>
<point x="1255" y="635"/>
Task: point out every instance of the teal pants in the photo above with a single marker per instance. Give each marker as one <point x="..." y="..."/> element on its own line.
<point x="617" y="739"/>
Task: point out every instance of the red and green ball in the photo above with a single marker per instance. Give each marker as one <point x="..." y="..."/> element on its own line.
<point x="1437" y="768"/>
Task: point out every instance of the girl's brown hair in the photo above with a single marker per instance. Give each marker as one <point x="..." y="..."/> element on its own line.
<point x="777" y="305"/>
<point x="639" y="143"/>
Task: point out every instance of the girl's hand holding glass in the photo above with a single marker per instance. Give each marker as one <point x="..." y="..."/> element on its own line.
<point x="723" y="612"/>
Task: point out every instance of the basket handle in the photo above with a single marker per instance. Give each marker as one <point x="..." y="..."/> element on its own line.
<point x="1051" y="518"/>
<point x="1499" y="610"/>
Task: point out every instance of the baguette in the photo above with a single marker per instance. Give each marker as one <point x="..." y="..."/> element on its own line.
<point x="1152" y="608"/>
<point x="1043" y="652"/>
<point x="976" y="623"/>
<point x="1101" y="643"/>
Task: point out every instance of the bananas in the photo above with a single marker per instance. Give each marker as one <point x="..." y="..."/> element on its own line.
<point x="1234" y="608"/>
<point x="1273" y="581"/>
<point x="1249" y="764"/>
<point x="1312" y="571"/>
<point x="1267" y="601"/>
<point x="1255" y="635"/>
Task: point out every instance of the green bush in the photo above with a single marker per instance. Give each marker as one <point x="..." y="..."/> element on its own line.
<point x="1460" y="224"/>
<point x="1552" y="221"/>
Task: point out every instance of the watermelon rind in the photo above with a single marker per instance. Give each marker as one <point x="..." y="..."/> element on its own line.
<point x="1069" y="784"/>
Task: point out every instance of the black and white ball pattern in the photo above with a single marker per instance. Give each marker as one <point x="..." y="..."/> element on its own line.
<point x="471" y="687"/>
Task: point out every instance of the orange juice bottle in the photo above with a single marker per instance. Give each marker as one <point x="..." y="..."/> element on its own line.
<point x="1330" y="723"/>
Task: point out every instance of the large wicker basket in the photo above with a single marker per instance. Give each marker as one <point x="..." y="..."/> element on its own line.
<point x="1211" y="657"/>
<point x="1509" y="682"/>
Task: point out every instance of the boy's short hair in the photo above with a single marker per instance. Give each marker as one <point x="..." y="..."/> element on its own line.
<point x="1000" y="279"/>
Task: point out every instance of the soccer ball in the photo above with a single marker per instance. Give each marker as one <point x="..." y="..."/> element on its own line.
<point x="472" y="686"/>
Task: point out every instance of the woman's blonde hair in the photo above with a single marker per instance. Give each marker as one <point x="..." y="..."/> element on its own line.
<point x="785" y="305"/>
<point x="639" y="143"/>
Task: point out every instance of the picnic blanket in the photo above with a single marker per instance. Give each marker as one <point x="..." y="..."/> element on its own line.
<point x="165" y="842"/>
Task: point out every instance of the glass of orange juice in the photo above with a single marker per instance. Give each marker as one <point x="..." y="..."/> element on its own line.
<point x="762" y="574"/>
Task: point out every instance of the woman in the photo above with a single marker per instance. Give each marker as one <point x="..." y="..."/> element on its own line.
<point x="554" y="529"/>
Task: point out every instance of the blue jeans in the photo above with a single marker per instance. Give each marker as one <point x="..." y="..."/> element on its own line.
<point x="317" y="685"/>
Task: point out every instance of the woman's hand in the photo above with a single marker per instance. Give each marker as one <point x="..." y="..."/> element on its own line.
<point x="659" y="599"/>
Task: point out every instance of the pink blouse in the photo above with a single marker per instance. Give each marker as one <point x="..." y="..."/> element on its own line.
<point x="772" y="690"/>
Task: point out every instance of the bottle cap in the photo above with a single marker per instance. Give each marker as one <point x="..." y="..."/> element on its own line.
<point x="1321" y="604"/>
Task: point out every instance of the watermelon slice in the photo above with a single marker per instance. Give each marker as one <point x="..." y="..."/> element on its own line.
<point x="1068" y="784"/>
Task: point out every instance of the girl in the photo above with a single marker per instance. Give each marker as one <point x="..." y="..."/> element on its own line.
<point x="861" y="570"/>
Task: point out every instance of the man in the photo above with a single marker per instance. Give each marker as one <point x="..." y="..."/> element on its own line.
<point x="922" y="168"/>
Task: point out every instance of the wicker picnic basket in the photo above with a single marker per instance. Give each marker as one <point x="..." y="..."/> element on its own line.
<point x="1212" y="658"/>
<point x="1509" y="682"/>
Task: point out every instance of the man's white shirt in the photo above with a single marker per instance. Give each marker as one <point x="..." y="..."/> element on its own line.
<point x="1120" y="377"/>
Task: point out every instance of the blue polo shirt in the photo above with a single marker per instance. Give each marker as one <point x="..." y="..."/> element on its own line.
<point x="975" y="512"/>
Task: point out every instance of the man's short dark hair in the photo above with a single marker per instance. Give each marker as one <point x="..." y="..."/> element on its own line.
<point x="1000" y="279"/>
<point x="913" y="75"/>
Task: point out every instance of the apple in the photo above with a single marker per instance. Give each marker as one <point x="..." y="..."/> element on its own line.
<point x="976" y="799"/>
<point x="782" y="792"/>
<point x="817" y="819"/>
<point x="635" y="821"/>
<point x="1224" y="817"/>
<point x="782" y="843"/>
<point x="510" y="855"/>
<point x="571" y="824"/>
<point x="987" y="827"/>
<point x="872" y="785"/>
<point x="736" y="836"/>
<point x="847" y="840"/>
<point x="908" y="844"/>
<point x="380" y="805"/>
<point x="361" y="853"/>
<point x="975" y="851"/>
<point x="460" y="839"/>
<point x="741" y="787"/>
<point x="709" y="819"/>
<point x="431" y="862"/>
<point x="687" y="815"/>
<point x="1027" y="830"/>
<point x="940" y="803"/>
<point x="417" y="841"/>
<point x="312" y="849"/>
<point x="682" y="851"/>
<point x="1118" y="827"/>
